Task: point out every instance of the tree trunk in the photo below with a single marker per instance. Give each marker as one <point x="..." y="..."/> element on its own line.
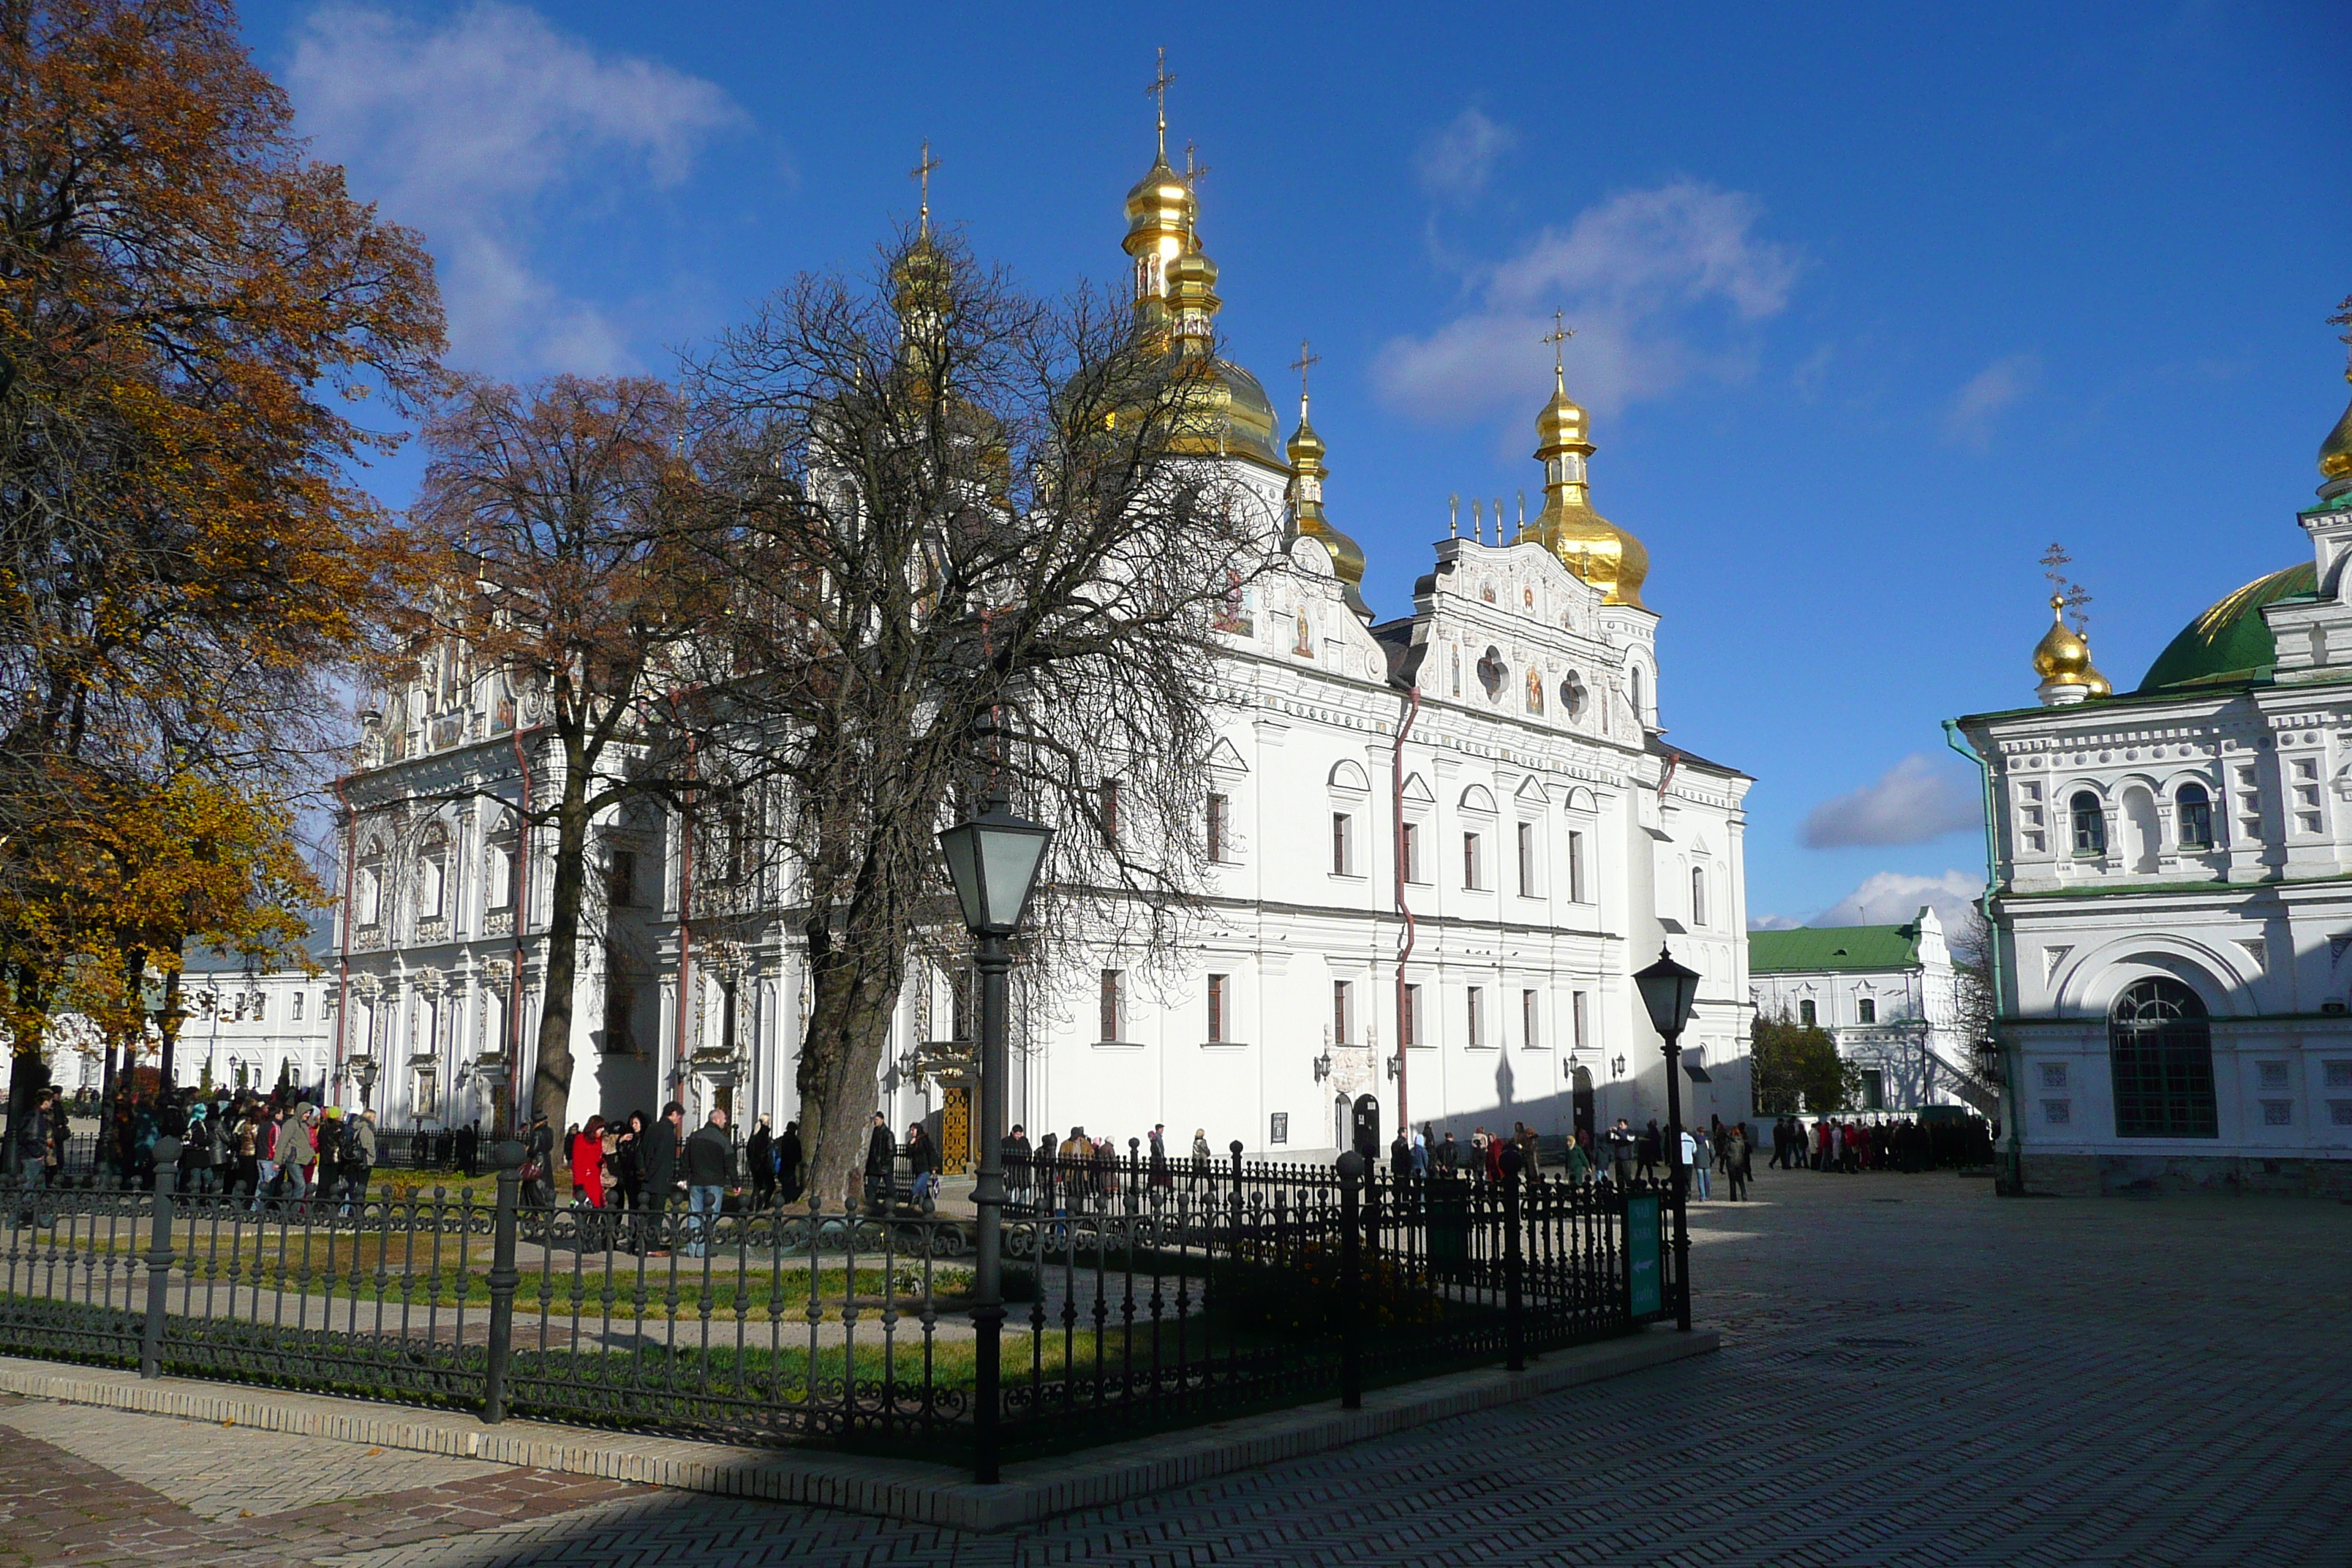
<point x="550" y="1084"/>
<point x="850" y="1004"/>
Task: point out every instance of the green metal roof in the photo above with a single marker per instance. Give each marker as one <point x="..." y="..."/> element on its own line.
<point x="1810" y="948"/>
<point x="2231" y="641"/>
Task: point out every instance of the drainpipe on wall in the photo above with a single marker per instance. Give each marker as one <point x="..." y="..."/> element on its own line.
<point x="1404" y="945"/>
<point x="2011" y="1180"/>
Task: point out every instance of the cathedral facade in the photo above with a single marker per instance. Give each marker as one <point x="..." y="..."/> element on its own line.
<point x="2171" y="890"/>
<point x="1443" y="842"/>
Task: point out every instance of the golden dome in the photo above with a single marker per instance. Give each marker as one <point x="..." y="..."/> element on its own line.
<point x="2062" y="656"/>
<point x="1586" y="542"/>
<point x="2335" y="452"/>
<point x="1307" y="473"/>
<point x="1223" y="413"/>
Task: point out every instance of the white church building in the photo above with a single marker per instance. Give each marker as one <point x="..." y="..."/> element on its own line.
<point x="2171" y="890"/>
<point x="1886" y="994"/>
<point x="1504" y="731"/>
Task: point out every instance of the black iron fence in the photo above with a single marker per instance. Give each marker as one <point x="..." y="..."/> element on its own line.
<point x="1141" y="1297"/>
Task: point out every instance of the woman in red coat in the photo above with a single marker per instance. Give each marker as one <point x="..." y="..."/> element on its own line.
<point x="588" y="1163"/>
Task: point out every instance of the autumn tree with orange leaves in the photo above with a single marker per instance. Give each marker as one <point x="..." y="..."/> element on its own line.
<point x="193" y="319"/>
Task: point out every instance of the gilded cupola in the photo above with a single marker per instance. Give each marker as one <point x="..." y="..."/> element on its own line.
<point x="2336" y="455"/>
<point x="2063" y="659"/>
<point x="1307" y="473"/>
<point x="1586" y="542"/>
<point x="1222" y="411"/>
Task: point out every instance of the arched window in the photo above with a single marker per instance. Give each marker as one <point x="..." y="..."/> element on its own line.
<point x="433" y="874"/>
<point x="367" y="900"/>
<point x="2195" y="814"/>
<point x="1638" y="686"/>
<point x="2161" y="1047"/>
<point x="2090" y="825"/>
<point x="1698" y="897"/>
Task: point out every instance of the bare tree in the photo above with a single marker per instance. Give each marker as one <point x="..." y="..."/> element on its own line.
<point x="979" y="546"/>
<point x="566" y="521"/>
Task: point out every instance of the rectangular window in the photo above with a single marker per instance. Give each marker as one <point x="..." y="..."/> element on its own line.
<point x="2278" y="1113"/>
<point x="621" y="879"/>
<point x="1412" y="852"/>
<point x="960" y="1001"/>
<point x="1343" y="848"/>
<point x="1216" y="1007"/>
<point x="502" y="869"/>
<point x="1805" y="1014"/>
<point x="2053" y="1075"/>
<point x="2272" y="1074"/>
<point x="1343" y="1012"/>
<point x="1577" y="1010"/>
<point x="1873" y="1088"/>
<point x="1576" y="867"/>
<point x="2339" y="1113"/>
<point x="1113" y="1008"/>
<point x="1107" y="810"/>
<point x="1220" y="828"/>
<point x="297" y="1006"/>
<point x="260" y="1006"/>
<point x="1526" y="859"/>
<point x="1530" y="1025"/>
<point x="620" y="1017"/>
<point x="1470" y="860"/>
<point x="1408" y="1024"/>
<point x="1866" y="1011"/>
<point x="2057" y="1112"/>
<point x="2339" y="1075"/>
<point x="1475" y="997"/>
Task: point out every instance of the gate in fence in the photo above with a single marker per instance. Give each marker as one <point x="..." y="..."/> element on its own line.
<point x="1140" y="1295"/>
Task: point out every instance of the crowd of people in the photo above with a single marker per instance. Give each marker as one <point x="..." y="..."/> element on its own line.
<point x="1906" y="1143"/>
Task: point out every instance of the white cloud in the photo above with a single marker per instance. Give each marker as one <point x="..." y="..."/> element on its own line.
<point x="1891" y="898"/>
<point x="474" y="130"/>
<point x="1633" y="273"/>
<point x="1773" y="922"/>
<point x="1455" y="163"/>
<point x="1914" y="801"/>
<point x="1968" y="420"/>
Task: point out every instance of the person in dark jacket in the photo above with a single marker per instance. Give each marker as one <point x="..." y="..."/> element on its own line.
<point x="663" y="1166"/>
<point x="881" y="1164"/>
<point x="539" y="1154"/>
<point x="923" y="1165"/>
<point x="709" y="1172"/>
<point x="1018" y="1172"/>
<point x="789" y="1159"/>
<point x="759" y="1163"/>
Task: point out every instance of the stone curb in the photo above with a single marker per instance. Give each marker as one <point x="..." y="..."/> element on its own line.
<point x="916" y="1492"/>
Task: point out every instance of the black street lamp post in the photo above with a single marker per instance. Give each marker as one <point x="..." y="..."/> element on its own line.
<point x="993" y="860"/>
<point x="1667" y="992"/>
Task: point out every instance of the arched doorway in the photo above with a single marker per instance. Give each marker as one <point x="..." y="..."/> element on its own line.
<point x="2160" y="1046"/>
<point x="1581" y="1100"/>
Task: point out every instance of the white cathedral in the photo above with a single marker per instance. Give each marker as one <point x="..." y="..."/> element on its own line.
<point x="1491" y="762"/>
<point x="2171" y="891"/>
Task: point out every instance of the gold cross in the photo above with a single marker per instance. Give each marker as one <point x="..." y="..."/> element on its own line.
<point x="922" y="172"/>
<point x="1160" y="83"/>
<point x="1560" y="334"/>
<point x="1193" y="171"/>
<point x="1304" y="362"/>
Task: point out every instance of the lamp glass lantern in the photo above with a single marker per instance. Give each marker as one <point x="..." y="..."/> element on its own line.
<point x="1668" y="990"/>
<point x="992" y="859"/>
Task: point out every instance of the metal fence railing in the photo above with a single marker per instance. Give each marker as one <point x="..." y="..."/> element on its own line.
<point x="1140" y="1297"/>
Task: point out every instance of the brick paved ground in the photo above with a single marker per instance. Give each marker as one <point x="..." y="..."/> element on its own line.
<point x="1913" y="1373"/>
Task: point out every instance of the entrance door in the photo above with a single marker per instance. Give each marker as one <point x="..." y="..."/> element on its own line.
<point x="1581" y="1100"/>
<point x="955" y="1129"/>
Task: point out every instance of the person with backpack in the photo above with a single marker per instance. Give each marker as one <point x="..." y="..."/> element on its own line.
<point x="357" y="1161"/>
<point x="200" y="1151"/>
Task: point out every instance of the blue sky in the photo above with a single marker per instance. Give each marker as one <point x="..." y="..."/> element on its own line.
<point x="1875" y="303"/>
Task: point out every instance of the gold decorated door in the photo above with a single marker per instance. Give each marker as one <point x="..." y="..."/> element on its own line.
<point x="955" y="1129"/>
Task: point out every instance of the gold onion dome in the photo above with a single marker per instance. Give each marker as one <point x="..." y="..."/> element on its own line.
<point x="1222" y="411"/>
<point x="1307" y="475"/>
<point x="1586" y="542"/>
<point x="2335" y="452"/>
<point x="2061" y="657"/>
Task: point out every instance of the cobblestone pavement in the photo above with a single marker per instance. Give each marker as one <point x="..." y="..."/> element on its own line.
<point x="1913" y="1373"/>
